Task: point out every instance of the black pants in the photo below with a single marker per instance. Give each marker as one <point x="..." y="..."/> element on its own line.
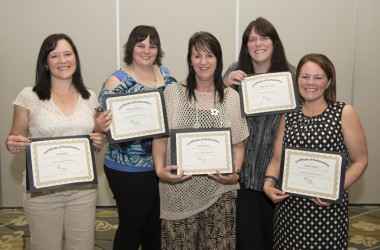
<point x="137" y="200"/>
<point x="254" y="220"/>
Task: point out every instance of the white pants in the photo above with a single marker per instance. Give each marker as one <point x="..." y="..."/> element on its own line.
<point x="50" y="216"/>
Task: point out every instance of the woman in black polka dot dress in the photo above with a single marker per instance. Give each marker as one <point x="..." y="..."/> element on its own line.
<point x="321" y="124"/>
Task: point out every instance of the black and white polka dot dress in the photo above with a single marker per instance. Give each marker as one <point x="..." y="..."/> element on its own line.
<point x="298" y="222"/>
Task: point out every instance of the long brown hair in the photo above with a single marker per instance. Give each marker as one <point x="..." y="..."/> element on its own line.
<point x="266" y="29"/>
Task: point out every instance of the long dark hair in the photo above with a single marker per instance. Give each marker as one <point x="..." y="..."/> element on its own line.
<point x="266" y="29"/>
<point x="139" y="34"/>
<point x="43" y="78"/>
<point x="328" y="67"/>
<point x="204" y="41"/>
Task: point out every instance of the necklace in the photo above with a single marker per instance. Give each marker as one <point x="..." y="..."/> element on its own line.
<point x="155" y="79"/>
<point x="214" y="113"/>
<point x="65" y="104"/>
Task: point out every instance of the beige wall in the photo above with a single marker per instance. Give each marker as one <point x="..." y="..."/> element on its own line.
<point x="345" y="30"/>
<point x="366" y="95"/>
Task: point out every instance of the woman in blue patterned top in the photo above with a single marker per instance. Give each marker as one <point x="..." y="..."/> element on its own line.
<point x="129" y="165"/>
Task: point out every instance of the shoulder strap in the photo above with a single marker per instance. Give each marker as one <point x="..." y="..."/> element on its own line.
<point x="165" y="69"/>
<point x="119" y="74"/>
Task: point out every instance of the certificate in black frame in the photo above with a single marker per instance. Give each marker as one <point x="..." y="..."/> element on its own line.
<point x="57" y="143"/>
<point x="313" y="159"/>
<point x="264" y="78"/>
<point x="202" y="132"/>
<point x="162" y="131"/>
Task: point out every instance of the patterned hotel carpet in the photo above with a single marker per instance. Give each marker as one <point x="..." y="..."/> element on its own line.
<point x="14" y="234"/>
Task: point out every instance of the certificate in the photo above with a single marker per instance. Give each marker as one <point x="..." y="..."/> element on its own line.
<point x="270" y="93"/>
<point x="202" y="151"/>
<point x="136" y="115"/>
<point x="59" y="162"/>
<point x="311" y="173"/>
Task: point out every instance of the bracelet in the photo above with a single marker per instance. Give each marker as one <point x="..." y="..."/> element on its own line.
<point x="274" y="184"/>
<point x="272" y="179"/>
<point x="99" y="109"/>
<point x="237" y="171"/>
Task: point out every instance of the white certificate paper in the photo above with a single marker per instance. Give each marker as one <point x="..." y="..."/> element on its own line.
<point x="311" y="173"/>
<point x="58" y="162"/>
<point x="267" y="93"/>
<point x="137" y="115"/>
<point x="202" y="151"/>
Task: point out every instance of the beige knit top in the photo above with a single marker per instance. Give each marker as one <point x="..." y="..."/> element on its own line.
<point x="184" y="199"/>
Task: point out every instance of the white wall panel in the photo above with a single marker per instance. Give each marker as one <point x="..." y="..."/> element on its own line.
<point x="345" y="30"/>
<point x="366" y="97"/>
<point x="176" y="21"/>
<point x="311" y="27"/>
<point x="24" y="25"/>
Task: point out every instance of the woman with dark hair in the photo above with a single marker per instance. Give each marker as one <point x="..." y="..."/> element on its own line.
<point x="261" y="52"/>
<point x="129" y="165"/>
<point x="58" y="105"/>
<point x="43" y="76"/>
<point x="322" y="124"/>
<point x="198" y="212"/>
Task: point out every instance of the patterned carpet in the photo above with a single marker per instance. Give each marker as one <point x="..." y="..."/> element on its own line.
<point x="14" y="234"/>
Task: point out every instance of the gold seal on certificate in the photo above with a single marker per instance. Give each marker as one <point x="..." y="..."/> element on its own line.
<point x="136" y="115"/>
<point x="59" y="162"/>
<point x="269" y="93"/>
<point x="311" y="173"/>
<point x="202" y="151"/>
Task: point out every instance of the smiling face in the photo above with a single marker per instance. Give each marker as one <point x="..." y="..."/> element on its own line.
<point x="61" y="62"/>
<point x="260" y="48"/>
<point x="204" y="63"/>
<point x="312" y="82"/>
<point x="144" y="53"/>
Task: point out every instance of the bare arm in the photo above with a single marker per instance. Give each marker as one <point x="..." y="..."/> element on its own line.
<point x="103" y="119"/>
<point x="17" y="139"/>
<point x="273" y="168"/>
<point x="112" y="82"/>
<point x="238" y="152"/>
<point x="356" y="144"/>
<point x="234" y="78"/>
<point x="159" y="158"/>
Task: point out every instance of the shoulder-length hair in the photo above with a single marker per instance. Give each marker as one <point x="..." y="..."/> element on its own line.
<point x="205" y="41"/>
<point x="43" y="78"/>
<point x="263" y="28"/>
<point x="327" y="66"/>
<point x="139" y="34"/>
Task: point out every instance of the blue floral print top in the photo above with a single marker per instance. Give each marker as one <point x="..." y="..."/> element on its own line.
<point x="131" y="156"/>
